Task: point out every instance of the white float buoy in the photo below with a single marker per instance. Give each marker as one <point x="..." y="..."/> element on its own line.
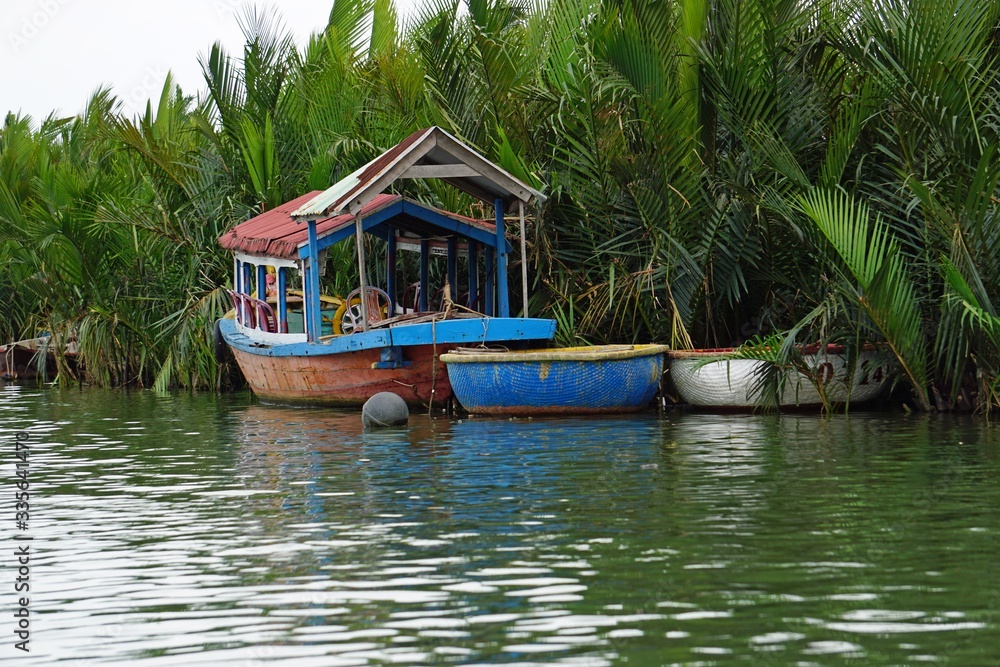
<point x="385" y="409"/>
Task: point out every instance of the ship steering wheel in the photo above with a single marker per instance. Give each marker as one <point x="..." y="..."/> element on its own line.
<point x="349" y="313"/>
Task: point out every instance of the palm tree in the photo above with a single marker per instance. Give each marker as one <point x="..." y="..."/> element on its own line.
<point x="717" y="170"/>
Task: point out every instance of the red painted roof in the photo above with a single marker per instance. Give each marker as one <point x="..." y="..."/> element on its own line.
<point x="275" y="234"/>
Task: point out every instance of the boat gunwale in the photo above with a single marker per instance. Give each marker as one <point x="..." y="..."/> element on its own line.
<point x="572" y="354"/>
<point x="442" y="332"/>
<point x="726" y="353"/>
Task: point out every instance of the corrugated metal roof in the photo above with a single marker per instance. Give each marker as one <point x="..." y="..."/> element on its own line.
<point x="276" y="234"/>
<point x="428" y="147"/>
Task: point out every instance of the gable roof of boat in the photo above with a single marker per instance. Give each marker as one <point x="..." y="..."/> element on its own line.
<point x="276" y="234"/>
<point x="427" y="153"/>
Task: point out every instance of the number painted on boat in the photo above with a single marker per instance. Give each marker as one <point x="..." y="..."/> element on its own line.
<point x="825" y="372"/>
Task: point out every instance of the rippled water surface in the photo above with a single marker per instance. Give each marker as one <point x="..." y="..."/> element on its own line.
<point x="202" y="531"/>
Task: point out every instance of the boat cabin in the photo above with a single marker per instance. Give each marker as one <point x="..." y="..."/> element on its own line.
<point x="279" y="256"/>
<point x="272" y="253"/>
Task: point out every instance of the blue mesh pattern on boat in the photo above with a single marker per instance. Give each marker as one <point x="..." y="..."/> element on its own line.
<point x="556" y="386"/>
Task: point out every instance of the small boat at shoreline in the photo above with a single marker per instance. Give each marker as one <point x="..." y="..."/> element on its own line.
<point x="33" y="359"/>
<point x="559" y="381"/>
<point x="714" y="378"/>
<point x="296" y="345"/>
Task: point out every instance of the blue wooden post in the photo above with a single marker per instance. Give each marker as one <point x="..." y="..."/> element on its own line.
<point x="315" y="320"/>
<point x="473" y="273"/>
<point x="306" y="300"/>
<point x="503" y="296"/>
<point x="282" y="283"/>
<point x="488" y="289"/>
<point x="245" y="287"/>
<point x="390" y="279"/>
<point x="238" y="288"/>
<point x="425" y="251"/>
<point x="262" y="282"/>
<point x="453" y="267"/>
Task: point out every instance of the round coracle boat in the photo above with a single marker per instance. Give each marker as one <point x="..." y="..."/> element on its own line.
<point x="559" y="381"/>
<point x="715" y="378"/>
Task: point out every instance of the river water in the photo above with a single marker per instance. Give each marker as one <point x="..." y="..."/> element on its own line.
<point x="198" y="530"/>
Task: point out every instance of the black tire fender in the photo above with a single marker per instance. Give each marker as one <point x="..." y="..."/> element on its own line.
<point x="221" y="348"/>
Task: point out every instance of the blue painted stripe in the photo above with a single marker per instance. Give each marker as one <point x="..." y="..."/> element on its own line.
<point x="474" y="331"/>
<point x="465" y="332"/>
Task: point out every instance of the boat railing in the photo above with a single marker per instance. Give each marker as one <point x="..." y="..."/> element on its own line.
<point x="253" y="313"/>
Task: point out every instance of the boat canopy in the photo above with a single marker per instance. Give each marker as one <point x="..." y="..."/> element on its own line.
<point x="359" y="204"/>
<point x="275" y="234"/>
<point x="427" y="153"/>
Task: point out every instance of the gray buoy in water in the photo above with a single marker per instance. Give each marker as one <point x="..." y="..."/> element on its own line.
<point x="384" y="409"/>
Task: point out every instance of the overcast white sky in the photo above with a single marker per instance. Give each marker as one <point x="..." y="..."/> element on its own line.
<point x="55" y="53"/>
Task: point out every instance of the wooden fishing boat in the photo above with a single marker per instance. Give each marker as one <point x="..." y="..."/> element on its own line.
<point x="33" y="359"/>
<point x="305" y="347"/>
<point x="714" y="379"/>
<point x="561" y="381"/>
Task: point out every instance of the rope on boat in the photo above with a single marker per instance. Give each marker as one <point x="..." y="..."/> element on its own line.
<point x="413" y="388"/>
<point x="448" y="306"/>
<point x="434" y="360"/>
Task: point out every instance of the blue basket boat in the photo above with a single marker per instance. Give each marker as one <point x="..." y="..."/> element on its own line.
<point x="574" y="380"/>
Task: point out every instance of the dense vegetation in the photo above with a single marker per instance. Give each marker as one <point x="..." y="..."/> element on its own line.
<point x="784" y="170"/>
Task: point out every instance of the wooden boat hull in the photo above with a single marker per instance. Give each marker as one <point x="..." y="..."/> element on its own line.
<point x="590" y="380"/>
<point x="23" y="360"/>
<point x="346" y="379"/>
<point x="348" y="370"/>
<point x="704" y="380"/>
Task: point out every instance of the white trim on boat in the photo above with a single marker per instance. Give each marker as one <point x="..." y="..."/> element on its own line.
<point x="268" y="337"/>
<point x="276" y="262"/>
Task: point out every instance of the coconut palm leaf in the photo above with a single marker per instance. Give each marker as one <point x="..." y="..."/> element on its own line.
<point x="881" y="282"/>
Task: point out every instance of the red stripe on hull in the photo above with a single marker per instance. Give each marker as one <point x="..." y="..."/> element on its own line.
<point x="346" y="379"/>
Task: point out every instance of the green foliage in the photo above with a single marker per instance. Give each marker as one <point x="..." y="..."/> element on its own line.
<point x="882" y="286"/>
<point x="820" y="171"/>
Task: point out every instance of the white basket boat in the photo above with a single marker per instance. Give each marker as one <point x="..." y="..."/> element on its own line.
<point x="706" y="378"/>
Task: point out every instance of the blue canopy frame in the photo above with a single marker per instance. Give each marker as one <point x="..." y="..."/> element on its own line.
<point x="425" y="223"/>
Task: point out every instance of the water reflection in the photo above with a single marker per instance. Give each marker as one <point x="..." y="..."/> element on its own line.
<point x="196" y="531"/>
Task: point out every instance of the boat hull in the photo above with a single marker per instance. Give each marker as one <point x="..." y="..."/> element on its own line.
<point x="703" y="380"/>
<point x="23" y="360"/>
<point x="593" y="380"/>
<point x="345" y="379"/>
<point x="345" y="371"/>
